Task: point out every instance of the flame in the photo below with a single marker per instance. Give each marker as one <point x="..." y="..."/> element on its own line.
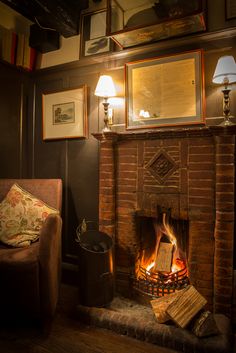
<point x="148" y="262"/>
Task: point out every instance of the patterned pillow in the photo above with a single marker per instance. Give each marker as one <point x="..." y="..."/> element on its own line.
<point x="21" y="217"/>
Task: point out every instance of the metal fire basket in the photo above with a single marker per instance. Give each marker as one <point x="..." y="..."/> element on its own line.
<point x="158" y="284"/>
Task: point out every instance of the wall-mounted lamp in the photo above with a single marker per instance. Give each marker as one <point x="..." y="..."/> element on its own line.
<point x="105" y="88"/>
<point x="225" y="73"/>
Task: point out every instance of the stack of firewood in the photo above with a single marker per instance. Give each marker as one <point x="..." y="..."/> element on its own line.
<point x="186" y="308"/>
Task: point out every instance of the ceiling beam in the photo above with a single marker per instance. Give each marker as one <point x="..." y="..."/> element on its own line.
<point x="60" y="15"/>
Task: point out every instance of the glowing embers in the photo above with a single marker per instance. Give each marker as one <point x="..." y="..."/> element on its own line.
<point x="161" y="269"/>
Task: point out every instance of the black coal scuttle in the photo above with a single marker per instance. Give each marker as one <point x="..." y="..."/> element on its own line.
<point x="95" y="261"/>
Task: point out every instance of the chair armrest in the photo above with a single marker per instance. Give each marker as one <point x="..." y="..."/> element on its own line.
<point x="50" y="264"/>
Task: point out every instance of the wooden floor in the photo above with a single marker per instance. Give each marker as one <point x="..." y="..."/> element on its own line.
<point x="68" y="335"/>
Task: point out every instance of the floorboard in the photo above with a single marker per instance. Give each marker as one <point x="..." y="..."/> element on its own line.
<point x="68" y="335"/>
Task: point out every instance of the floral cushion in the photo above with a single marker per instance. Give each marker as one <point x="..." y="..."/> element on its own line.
<point x="21" y="217"/>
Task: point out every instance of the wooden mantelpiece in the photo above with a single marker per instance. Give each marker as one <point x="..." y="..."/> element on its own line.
<point x="167" y="133"/>
<point x="201" y="189"/>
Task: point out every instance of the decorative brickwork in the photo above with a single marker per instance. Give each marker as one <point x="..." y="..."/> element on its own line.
<point x="192" y="173"/>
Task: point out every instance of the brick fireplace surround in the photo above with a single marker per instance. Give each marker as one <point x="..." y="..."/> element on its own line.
<point x="189" y="170"/>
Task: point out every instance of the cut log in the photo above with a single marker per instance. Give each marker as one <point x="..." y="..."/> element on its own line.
<point x="163" y="260"/>
<point x="186" y="306"/>
<point x="205" y="325"/>
<point x="160" y="305"/>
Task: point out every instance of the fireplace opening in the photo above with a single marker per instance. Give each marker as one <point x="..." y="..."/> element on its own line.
<point x="161" y="263"/>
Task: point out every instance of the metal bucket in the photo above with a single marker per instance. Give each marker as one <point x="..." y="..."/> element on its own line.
<point x="95" y="260"/>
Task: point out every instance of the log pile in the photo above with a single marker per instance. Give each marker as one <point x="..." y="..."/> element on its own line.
<point x="185" y="308"/>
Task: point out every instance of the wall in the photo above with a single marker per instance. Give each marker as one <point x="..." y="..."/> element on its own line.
<point x="14" y="97"/>
<point x="24" y="153"/>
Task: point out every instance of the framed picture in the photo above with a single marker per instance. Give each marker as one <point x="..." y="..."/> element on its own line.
<point x="65" y="114"/>
<point x="93" y="34"/>
<point x="230" y="9"/>
<point x="165" y="91"/>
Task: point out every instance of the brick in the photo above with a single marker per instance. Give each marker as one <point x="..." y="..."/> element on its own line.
<point x="205" y="184"/>
<point x="202" y="158"/>
<point x="223" y="272"/>
<point x="106" y="199"/>
<point x="107" y="183"/>
<point x="201" y="166"/>
<point x="107" y="168"/>
<point x="225" y="140"/>
<point x="206" y="141"/>
<point x="127" y="188"/>
<point x="127" y="174"/>
<point x="200" y="201"/>
<point x="131" y="151"/>
<point x="222" y="262"/>
<point x="225" y="159"/>
<point x="123" y="167"/>
<point x="201" y="192"/>
<point x="126" y="196"/>
<point x="106" y="191"/>
<point x="203" y="174"/>
<point x="202" y="149"/>
<point x="223" y="290"/>
<point x="225" y="196"/>
<point x="224" y="206"/>
<point x="107" y="206"/>
<point x="225" y="149"/>
<point x="127" y="182"/>
<point x="224" y="216"/>
<point x="222" y="308"/>
<point x="127" y="159"/>
<point x="106" y="152"/>
<point x="224" y="244"/>
<point x="225" y="187"/>
<point x="225" y="170"/>
<point x="128" y="204"/>
<point x="106" y="160"/>
<point x="106" y="174"/>
<point x="201" y="283"/>
<point x="225" y="226"/>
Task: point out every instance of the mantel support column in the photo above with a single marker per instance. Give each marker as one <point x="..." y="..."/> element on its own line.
<point x="107" y="182"/>
<point x="224" y="227"/>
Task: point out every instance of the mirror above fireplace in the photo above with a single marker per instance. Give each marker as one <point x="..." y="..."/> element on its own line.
<point x="135" y="22"/>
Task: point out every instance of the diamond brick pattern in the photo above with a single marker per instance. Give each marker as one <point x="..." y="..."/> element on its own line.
<point x="161" y="166"/>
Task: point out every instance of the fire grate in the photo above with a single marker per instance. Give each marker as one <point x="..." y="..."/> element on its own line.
<point x="157" y="284"/>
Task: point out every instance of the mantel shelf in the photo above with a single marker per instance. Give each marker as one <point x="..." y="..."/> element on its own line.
<point x="184" y="132"/>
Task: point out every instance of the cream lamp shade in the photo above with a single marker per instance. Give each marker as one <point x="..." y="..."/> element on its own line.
<point x="225" y="70"/>
<point x="105" y="87"/>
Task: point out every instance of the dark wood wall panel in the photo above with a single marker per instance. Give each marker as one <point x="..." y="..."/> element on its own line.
<point x="13" y="100"/>
<point x="75" y="161"/>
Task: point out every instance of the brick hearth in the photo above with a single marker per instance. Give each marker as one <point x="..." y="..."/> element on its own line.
<point x="189" y="170"/>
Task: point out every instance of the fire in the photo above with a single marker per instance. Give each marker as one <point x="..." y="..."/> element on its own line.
<point x="167" y="252"/>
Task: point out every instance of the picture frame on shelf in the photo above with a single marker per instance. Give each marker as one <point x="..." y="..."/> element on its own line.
<point x="165" y="91"/>
<point x="64" y="113"/>
<point x="93" y="34"/>
<point x="230" y="9"/>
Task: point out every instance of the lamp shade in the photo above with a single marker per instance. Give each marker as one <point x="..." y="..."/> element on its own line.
<point x="225" y="70"/>
<point x="105" y="87"/>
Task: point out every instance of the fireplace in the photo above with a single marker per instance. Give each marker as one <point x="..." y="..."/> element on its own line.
<point x="161" y="263"/>
<point x="188" y="172"/>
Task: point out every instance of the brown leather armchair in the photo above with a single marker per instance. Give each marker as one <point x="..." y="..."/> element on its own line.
<point x="30" y="276"/>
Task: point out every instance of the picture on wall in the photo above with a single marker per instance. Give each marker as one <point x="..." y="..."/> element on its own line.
<point x="93" y="34"/>
<point x="65" y="114"/>
<point x="165" y="91"/>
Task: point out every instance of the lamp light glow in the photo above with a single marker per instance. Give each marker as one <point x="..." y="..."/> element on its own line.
<point x="225" y="74"/>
